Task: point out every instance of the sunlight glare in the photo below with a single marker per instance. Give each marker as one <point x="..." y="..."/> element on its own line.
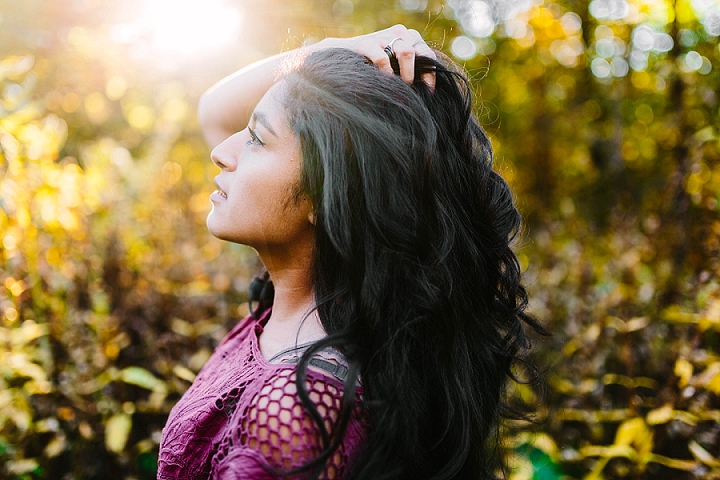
<point x="190" y="26"/>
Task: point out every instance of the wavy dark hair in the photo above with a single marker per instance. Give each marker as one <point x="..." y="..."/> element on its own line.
<point x="415" y="279"/>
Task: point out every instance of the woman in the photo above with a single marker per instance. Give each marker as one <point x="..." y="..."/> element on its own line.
<point x="391" y="312"/>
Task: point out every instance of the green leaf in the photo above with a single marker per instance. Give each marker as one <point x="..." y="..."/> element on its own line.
<point x="141" y="377"/>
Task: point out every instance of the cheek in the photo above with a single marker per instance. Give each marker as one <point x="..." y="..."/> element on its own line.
<point x="295" y="195"/>
<point x="271" y="197"/>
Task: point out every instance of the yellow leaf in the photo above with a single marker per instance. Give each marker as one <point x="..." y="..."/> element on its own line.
<point x="184" y="373"/>
<point x="5" y="399"/>
<point x="31" y="330"/>
<point x="570" y="347"/>
<point x="635" y="432"/>
<point x="703" y="455"/>
<point x="18" y="410"/>
<point x="608" y="452"/>
<point x="714" y="384"/>
<point x="181" y="327"/>
<point x="613" y="378"/>
<point x="592" y="333"/>
<point x="525" y="393"/>
<point x="708" y="415"/>
<point x="684" y="12"/>
<point x="157" y="397"/>
<point x="545" y="443"/>
<point x="596" y="472"/>
<point x="199" y="359"/>
<point x="637" y="323"/>
<point x="646" y="382"/>
<point x="561" y="385"/>
<point x="13" y="66"/>
<point x="28" y="332"/>
<point x="38" y="387"/>
<point x="56" y="446"/>
<point x="660" y="415"/>
<point x="705" y="135"/>
<point x="574" y="415"/>
<point x="677" y="315"/>
<point x="610" y="415"/>
<point x="117" y="430"/>
<point x="587" y="385"/>
<point x="95" y="384"/>
<point x="710" y="378"/>
<point x="49" y="424"/>
<point x="683" y="370"/>
<point x="20" y="117"/>
<point x="19" y="467"/>
<point x="86" y="430"/>
<point x="628" y="431"/>
<point x="520" y="468"/>
<point x="675" y="463"/>
<point x="22" y="366"/>
<point x="686" y="417"/>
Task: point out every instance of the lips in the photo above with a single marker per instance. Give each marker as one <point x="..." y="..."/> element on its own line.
<point x="220" y="191"/>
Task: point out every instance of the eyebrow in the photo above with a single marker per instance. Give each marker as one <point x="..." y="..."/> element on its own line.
<point x="261" y="118"/>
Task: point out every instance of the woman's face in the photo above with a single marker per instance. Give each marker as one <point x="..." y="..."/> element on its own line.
<point x="256" y="202"/>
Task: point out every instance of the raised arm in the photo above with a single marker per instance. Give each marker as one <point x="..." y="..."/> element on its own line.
<point x="226" y="107"/>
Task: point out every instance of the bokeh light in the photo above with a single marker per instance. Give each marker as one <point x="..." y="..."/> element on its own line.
<point x="463" y="47"/>
<point x="609" y="9"/>
<point x="182" y="27"/>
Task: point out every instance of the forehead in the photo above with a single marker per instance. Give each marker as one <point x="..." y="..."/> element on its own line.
<point x="271" y="107"/>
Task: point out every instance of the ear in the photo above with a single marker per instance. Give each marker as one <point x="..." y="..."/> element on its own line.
<point x="312" y="218"/>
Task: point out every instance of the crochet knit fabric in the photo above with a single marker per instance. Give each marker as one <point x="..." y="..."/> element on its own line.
<point x="242" y="417"/>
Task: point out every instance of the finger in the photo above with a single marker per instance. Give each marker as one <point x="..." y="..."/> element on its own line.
<point x="405" y="54"/>
<point x="371" y="50"/>
<point x="429" y="80"/>
<point x="395" y="31"/>
<point x="424" y="50"/>
<point x="421" y="46"/>
<point x="381" y="61"/>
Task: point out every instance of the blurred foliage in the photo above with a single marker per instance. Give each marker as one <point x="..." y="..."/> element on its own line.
<point x="604" y="116"/>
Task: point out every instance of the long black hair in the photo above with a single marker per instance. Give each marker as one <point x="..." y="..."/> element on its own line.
<point x="415" y="279"/>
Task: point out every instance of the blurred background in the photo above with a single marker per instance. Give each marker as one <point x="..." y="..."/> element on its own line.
<point x="605" y="120"/>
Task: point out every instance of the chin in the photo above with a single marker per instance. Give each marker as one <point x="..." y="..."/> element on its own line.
<point x="215" y="229"/>
<point x="221" y="233"/>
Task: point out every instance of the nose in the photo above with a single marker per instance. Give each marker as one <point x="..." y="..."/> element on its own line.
<point x="224" y="154"/>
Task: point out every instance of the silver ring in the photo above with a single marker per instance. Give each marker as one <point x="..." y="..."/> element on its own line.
<point x="389" y="48"/>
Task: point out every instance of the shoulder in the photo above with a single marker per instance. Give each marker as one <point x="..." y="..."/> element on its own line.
<point x="241" y="330"/>
<point x="275" y="425"/>
<point x="277" y="421"/>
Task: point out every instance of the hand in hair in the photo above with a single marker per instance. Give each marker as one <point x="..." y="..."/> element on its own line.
<point x="226" y="107"/>
<point x="406" y="45"/>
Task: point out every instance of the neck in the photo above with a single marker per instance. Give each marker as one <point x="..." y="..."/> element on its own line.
<point x="291" y="321"/>
<point x="293" y="295"/>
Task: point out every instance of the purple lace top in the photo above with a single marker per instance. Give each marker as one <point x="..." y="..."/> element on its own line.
<point x="242" y="418"/>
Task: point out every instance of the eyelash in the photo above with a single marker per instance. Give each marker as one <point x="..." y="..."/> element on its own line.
<point x="254" y="140"/>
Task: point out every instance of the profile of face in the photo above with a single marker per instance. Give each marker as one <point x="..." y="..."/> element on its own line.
<point x="257" y="201"/>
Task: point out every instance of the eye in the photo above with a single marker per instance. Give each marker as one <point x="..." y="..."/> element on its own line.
<point x="254" y="140"/>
